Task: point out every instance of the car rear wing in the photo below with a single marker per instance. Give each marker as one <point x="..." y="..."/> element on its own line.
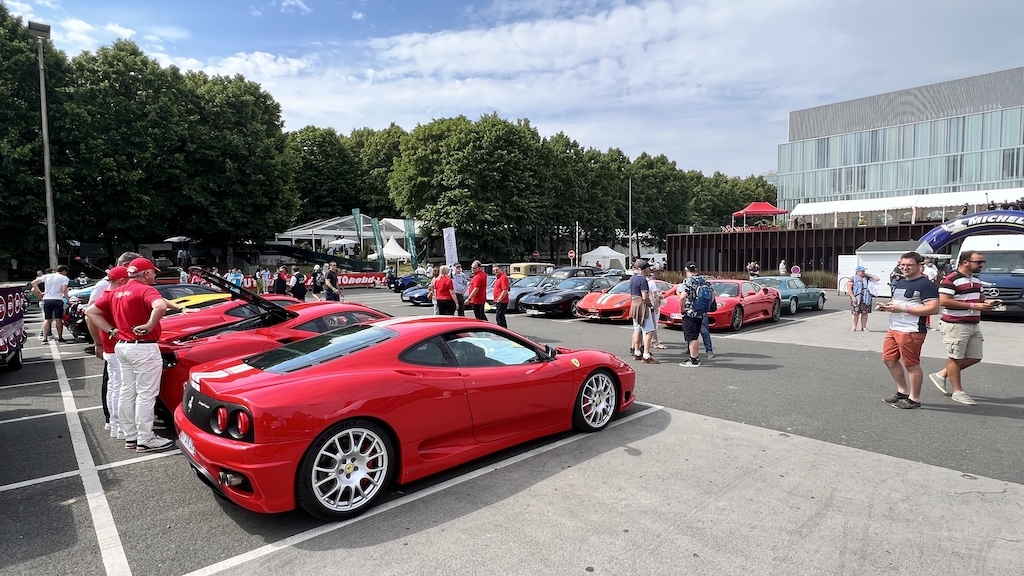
<point x="238" y="293"/>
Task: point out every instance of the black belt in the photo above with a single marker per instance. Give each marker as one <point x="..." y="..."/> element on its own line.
<point x="136" y="341"/>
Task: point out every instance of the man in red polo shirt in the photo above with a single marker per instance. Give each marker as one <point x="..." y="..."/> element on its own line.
<point x="477" y="295"/>
<point x="500" y="294"/>
<point x="136" y="309"/>
<point x="104" y="344"/>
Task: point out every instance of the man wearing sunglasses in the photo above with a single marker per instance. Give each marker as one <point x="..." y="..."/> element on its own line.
<point x="962" y="304"/>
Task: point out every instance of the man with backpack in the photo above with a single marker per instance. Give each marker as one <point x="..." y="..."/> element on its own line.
<point x="696" y="299"/>
<point x="297" y="284"/>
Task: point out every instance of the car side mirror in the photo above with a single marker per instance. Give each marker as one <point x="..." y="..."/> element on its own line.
<point x="550" y="351"/>
<point x="765" y="290"/>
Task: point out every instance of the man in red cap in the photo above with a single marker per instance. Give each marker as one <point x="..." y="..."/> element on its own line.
<point x="136" y="309"/>
<point x="104" y="345"/>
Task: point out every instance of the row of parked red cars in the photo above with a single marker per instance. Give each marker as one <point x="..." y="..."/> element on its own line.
<point x="279" y="403"/>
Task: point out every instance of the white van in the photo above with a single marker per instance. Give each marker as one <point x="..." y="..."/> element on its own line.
<point x="1003" y="274"/>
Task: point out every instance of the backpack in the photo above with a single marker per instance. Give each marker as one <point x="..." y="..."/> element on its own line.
<point x="299" y="290"/>
<point x="705" y="300"/>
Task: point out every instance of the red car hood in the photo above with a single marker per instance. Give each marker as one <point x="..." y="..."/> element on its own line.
<point x="602" y="300"/>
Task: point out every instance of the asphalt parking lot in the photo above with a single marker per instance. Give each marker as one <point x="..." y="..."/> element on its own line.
<point x="776" y="457"/>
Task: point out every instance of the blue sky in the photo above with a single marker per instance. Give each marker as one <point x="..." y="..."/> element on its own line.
<point x="708" y="83"/>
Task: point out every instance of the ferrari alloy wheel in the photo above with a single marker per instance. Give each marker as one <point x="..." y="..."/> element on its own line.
<point x="345" y="470"/>
<point x="777" y="309"/>
<point x="820" y="302"/>
<point x="737" y="319"/>
<point x="793" y="306"/>
<point x="574" y="308"/>
<point x="595" y="403"/>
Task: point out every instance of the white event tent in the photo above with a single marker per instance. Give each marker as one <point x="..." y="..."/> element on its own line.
<point x="329" y="231"/>
<point x="604" y="255"/>
<point x="901" y="209"/>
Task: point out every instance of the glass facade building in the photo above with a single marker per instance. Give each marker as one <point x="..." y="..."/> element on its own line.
<point x="955" y="136"/>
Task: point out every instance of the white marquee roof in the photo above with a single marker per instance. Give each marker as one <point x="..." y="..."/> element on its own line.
<point x="344" y="226"/>
<point x="972" y="199"/>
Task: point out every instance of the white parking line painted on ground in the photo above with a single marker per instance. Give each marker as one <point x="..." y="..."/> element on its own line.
<point x="72" y="473"/>
<point x="39" y="382"/>
<point x="111" y="549"/>
<point x="46" y="415"/>
<point x="327" y="528"/>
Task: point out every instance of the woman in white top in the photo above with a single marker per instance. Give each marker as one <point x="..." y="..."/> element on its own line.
<point x="657" y="299"/>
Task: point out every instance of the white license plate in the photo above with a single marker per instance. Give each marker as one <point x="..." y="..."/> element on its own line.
<point x="676" y="316"/>
<point x="185" y="442"/>
<point x="999" y="309"/>
<point x="532" y="312"/>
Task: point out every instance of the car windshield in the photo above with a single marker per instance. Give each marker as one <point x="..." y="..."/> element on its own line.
<point x="573" y="283"/>
<point x="620" y="288"/>
<point x="726" y="288"/>
<point x="531" y="281"/>
<point x="1002" y="262"/>
<point x="319" y="349"/>
<point x="773" y="282"/>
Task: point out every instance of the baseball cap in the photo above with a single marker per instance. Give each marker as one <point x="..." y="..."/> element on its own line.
<point x="691" y="266"/>
<point x="643" y="265"/>
<point x="317" y="267"/>
<point x="861" y="269"/>
<point x="140" y="265"/>
<point x="117" y="273"/>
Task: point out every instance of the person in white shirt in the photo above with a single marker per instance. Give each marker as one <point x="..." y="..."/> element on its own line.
<point x="52" y="289"/>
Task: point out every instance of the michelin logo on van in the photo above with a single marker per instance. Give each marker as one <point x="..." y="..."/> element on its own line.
<point x="961" y="224"/>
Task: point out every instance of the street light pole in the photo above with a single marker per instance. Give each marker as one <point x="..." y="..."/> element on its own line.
<point x="41" y="33"/>
<point x="629" y="239"/>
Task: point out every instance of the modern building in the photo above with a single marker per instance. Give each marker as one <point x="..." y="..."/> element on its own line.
<point x="958" y="136"/>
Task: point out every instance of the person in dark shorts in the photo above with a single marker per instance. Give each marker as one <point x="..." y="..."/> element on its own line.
<point x="692" y="319"/>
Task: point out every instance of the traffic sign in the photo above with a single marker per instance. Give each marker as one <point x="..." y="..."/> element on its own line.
<point x="572" y="254"/>
<point x="536" y="254"/>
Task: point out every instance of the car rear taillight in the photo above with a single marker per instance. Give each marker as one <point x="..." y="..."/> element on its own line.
<point x="242" y="423"/>
<point x="222" y="420"/>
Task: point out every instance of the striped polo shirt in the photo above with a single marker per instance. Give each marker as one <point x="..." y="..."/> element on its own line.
<point x="962" y="288"/>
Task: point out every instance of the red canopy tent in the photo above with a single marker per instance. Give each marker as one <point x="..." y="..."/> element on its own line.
<point x="758" y="209"/>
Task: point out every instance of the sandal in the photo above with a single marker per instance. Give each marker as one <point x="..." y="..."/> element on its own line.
<point x="660" y="346"/>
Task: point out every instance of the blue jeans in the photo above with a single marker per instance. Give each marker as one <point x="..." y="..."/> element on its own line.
<point x="706" y="334"/>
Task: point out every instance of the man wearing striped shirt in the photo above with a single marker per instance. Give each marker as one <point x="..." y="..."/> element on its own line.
<point x="962" y="304"/>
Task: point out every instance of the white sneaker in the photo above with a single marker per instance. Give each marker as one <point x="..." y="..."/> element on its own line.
<point x="155" y="445"/>
<point x="963" y="398"/>
<point x="940" y="383"/>
<point x="115" y="431"/>
<point x="106" y="426"/>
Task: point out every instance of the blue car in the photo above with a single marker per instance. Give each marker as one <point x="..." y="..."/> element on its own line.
<point x="400" y="283"/>
<point x="418" y="294"/>
<point x="795" y="294"/>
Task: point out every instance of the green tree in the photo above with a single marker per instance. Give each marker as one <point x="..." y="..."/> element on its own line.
<point x="375" y="152"/>
<point x="478" y="177"/>
<point x="322" y="173"/>
<point x="23" y="210"/>
<point x="236" y="189"/>
<point x="661" y="197"/>
<point x="129" y="157"/>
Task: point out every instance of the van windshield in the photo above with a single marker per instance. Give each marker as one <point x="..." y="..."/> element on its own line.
<point x="1003" y="262"/>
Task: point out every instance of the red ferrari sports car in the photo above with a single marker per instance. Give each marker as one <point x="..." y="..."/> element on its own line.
<point x="328" y="422"/>
<point x="740" y="302"/>
<point x="269" y="330"/>
<point x="611" y="304"/>
<point x="174" y="326"/>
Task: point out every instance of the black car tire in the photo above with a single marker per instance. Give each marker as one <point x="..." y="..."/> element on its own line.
<point x="17" y="361"/>
<point x="358" y="439"/>
<point x="574" y="308"/>
<point x="820" y="302"/>
<point x="737" y="319"/>
<point x="600" y="393"/>
<point x="776" y="310"/>
<point x="794" y="305"/>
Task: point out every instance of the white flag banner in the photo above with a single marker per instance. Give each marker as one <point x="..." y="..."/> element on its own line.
<point x="451" y="253"/>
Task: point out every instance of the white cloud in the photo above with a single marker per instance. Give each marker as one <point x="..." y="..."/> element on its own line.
<point x="47" y="3"/>
<point x="292" y="5"/>
<point x="121" y="31"/>
<point x="357" y="15"/>
<point x="76" y="34"/>
<point x="22" y="10"/>
<point x="255" y="12"/>
<point x="170" y="32"/>
<point x="708" y="83"/>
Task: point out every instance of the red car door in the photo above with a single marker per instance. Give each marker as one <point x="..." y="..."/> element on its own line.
<point x="756" y="303"/>
<point x="511" y="390"/>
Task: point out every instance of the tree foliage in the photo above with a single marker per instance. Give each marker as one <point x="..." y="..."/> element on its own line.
<point x="140" y="151"/>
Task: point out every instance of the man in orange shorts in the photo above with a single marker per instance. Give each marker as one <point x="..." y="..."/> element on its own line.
<point x="914" y="298"/>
